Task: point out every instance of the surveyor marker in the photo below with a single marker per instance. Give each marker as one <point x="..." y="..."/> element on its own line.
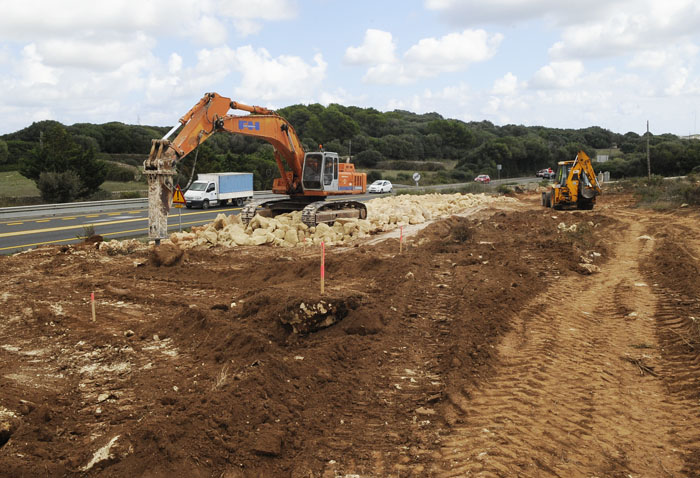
<point x="323" y="265"/>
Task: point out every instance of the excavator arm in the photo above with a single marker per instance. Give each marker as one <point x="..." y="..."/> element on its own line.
<point x="207" y="117"/>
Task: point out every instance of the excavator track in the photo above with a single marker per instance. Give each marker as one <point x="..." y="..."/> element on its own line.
<point x="328" y="211"/>
<point x="312" y="213"/>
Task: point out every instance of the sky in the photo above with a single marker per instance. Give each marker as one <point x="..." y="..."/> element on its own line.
<point x="559" y="64"/>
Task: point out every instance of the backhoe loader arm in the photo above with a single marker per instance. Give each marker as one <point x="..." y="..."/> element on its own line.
<point x="584" y="163"/>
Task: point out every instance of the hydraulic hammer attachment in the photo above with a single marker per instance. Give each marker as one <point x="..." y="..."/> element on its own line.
<point x="159" y="169"/>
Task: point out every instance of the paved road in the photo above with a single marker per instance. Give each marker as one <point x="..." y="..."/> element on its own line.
<point x="20" y="234"/>
<point x="16" y="235"/>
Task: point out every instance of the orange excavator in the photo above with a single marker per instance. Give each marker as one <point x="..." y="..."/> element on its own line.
<point x="306" y="178"/>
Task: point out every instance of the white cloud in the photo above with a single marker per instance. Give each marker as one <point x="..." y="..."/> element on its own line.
<point x="282" y="77"/>
<point x="426" y="59"/>
<point x="453" y="52"/>
<point x="204" y="21"/>
<point x="388" y="74"/>
<point x="378" y="47"/>
<point x="505" y="86"/>
<point x="32" y="69"/>
<point x="558" y="74"/>
<point x="636" y="27"/>
<point x="475" y="12"/>
<point x="107" y="55"/>
<point x="258" y="9"/>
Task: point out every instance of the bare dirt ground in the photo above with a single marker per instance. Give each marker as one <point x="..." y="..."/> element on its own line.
<point x="486" y="348"/>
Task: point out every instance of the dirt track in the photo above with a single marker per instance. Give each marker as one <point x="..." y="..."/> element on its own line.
<point x="484" y="349"/>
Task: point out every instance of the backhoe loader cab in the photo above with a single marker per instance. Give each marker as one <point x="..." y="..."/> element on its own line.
<point x="576" y="185"/>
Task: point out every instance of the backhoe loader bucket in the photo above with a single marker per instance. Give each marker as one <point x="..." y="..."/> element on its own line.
<point x="588" y="193"/>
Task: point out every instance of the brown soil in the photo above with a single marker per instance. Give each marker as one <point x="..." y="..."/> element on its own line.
<point x="481" y="350"/>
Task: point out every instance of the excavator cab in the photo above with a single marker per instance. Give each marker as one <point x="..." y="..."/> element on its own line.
<point x="320" y="172"/>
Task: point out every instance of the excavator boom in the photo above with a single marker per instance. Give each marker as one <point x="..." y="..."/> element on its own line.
<point x="325" y="176"/>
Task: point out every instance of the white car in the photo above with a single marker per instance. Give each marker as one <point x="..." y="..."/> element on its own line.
<point x="380" y="186"/>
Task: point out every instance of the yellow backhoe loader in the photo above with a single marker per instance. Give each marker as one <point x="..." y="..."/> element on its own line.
<point x="575" y="185"/>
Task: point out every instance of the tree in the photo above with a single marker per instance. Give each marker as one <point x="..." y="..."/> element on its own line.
<point x="368" y="158"/>
<point x="57" y="153"/>
<point x="58" y="187"/>
<point x="337" y="125"/>
<point x="4" y="152"/>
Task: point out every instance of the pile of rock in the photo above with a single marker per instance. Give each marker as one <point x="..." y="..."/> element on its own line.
<point x="287" y="230"/>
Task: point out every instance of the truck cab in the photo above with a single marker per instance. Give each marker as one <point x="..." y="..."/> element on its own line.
<point x="201" y="194"/>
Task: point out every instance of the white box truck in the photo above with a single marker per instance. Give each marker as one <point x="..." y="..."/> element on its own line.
<point x="219" y="188"/>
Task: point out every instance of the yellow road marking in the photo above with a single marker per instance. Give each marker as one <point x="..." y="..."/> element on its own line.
<point x="171" y="226"/>
<point x="80" y="226"/>
<point x="92" y="215"/>
<point x="69" y="218"/>
<point x="42" y="220"/>
<point x="14" y="223"/>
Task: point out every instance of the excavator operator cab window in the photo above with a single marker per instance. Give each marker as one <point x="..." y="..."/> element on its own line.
<point x="328" y="170"/>
<point x="311" y="176"/>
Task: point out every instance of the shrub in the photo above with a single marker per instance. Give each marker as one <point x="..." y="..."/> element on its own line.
<point x="368" y="159"/>
<point x="373" y="176"/>
<point x="118" y="173"/>
<point x="504" y="189"/>
<point x="58" y="187"/>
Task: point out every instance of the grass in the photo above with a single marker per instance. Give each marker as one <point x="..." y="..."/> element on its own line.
<point x="14" y="185"/>
<point x="16" y="190"/>
<point x="116" y="186"/>
<point x="663" y="194"/>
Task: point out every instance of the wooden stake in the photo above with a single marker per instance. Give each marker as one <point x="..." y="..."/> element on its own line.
<point x="323" y="266"/>
<point x="92" y="302"/>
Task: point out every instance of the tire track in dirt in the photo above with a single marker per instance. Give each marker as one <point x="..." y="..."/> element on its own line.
<point x="673" y="269"/>
<point x="412" y="382"/>
<point x="564" y="401"/>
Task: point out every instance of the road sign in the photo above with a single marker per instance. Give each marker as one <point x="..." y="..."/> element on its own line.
<point x="416" y="177"/>
<point x="178" y="198"/>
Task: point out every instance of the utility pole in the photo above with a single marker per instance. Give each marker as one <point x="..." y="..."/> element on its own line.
<point x="648" y="160"/>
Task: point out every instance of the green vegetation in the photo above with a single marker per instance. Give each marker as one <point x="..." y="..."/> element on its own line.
<point x="391" y="145"/>
<point x="659" y="193"/>
<point x="13" y="184"/>
<point x="88" y="232"/>
<point x="62" y="169"/>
